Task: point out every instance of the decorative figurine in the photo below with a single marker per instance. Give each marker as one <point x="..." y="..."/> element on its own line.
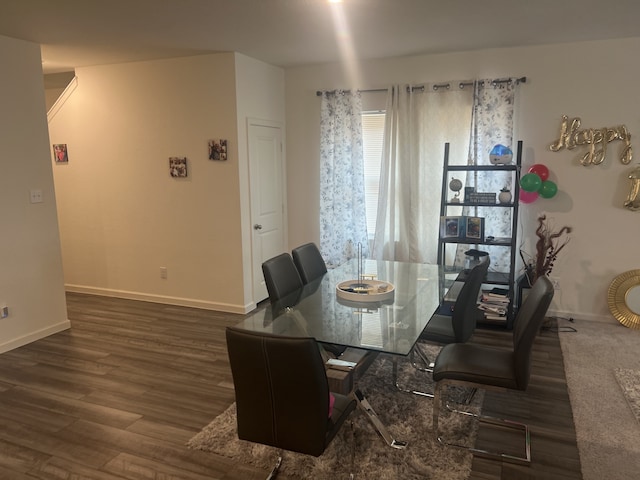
<point x="504" y="197"/>
<point x="500" y="155"/>
<point x="455" y="185"/>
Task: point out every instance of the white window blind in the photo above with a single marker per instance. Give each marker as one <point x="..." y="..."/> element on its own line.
<point x="372" y="139"/>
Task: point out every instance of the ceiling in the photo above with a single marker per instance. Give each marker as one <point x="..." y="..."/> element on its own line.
<point x="75" y="33"/>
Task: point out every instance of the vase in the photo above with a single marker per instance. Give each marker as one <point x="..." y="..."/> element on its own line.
<point x="504" y="196"/>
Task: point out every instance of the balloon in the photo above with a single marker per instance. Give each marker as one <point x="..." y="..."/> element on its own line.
<point x="528" y="197"/>
<point x="548" y="189"/>
<point x="530" y="182"/>
<point x="540" y="170"/>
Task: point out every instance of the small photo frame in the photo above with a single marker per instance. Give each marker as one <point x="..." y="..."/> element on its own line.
<point x="178" y="166"/>
<point x="218" y="149"/>
<point x="451" y="227"/>
<point x="474" y="228"/>
<point x="60" y="153"/>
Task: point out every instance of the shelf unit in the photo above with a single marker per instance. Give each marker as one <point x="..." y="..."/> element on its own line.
<point x="505" y="279"/>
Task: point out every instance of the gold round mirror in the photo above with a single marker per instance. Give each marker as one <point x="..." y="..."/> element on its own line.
<point x="624" y="298"/>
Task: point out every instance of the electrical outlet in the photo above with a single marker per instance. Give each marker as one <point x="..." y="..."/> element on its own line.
<point x="163" y="273"/>
<point x="35" y="196"/>
<point x="556" y="283"/>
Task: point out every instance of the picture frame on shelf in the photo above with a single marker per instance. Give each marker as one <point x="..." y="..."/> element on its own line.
<point x="474" y="228"/>
<point x="451" y="227"/>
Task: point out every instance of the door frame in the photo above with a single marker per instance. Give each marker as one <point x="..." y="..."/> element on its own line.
<point x="253" y="121"/>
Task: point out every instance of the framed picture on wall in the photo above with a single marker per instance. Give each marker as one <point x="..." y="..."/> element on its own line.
<point x="218" y="149"/>
<point x="178" y="166"/>
<point x="60" y="153"/>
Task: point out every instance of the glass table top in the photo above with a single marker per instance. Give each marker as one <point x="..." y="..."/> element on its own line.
<point x="391" y="326"/>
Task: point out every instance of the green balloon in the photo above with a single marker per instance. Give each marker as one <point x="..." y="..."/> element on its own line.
<point x="531" y="182"/>
<point x="548" y="189"/>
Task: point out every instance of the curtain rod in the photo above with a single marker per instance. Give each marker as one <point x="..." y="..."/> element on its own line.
<point x="435" y="87"/>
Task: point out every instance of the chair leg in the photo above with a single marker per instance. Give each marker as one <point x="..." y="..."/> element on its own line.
<point x="394" y="378"/>
<point x="440" y="400"/>
<point x="352" y="460"/>
<point x="423" y="358"/>
<point x="276" y="467"/>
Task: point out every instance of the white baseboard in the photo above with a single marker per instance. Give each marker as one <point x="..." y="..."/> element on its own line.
<point x="581" y="316"/>
<point x="146" y="297"/>
<point x="33" y="336"/>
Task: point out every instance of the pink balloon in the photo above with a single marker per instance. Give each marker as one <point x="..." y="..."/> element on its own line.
<point x="540" y="170"/>
<point x="528" y="197"/>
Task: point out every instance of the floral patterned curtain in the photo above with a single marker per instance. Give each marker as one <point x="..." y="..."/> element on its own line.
<point x="342" y="202"/>
<point x="492" y="124"/>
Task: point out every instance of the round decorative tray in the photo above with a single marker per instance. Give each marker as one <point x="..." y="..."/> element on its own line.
<point x="365" y="290"/>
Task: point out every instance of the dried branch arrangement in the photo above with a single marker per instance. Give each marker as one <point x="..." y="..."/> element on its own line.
<point x="548" y="246"/>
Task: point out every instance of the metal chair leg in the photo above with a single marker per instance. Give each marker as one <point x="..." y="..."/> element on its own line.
<point x="394" y="378"/>
<point x="423" y="358"/>
<point x="276" y="467"/>
<point x="440" y="400"/>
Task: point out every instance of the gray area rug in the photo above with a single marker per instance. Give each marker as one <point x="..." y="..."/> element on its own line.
<point x="407" y="416"/>
<point x="629" y="381"/>
<point x="606" y="429"/>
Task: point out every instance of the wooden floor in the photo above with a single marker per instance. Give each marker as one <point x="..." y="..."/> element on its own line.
<point x="119" y="394"/>
<point x="545" y="407"/>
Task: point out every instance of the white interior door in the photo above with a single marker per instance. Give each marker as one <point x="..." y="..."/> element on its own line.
<point x="267" y="198"/>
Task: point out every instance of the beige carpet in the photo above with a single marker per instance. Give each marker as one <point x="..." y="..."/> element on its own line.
<point x="606" y="428"/>
<point x="629" y="381"/>
<point x="407" y="416"/>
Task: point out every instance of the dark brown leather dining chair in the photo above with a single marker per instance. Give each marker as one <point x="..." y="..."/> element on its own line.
<point x="309" y="262"/>
<point x="281" y="277"/>
<point x="458" y="327"/>
<point x="282" y="393"/>
<point x="312" y="267"/>
<point x="481" y="366"/>
<point x="444" y="329"/>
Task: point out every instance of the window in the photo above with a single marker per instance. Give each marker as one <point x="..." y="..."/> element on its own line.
<point x="372" y="142"/>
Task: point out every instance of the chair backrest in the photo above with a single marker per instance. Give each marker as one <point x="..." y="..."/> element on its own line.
<point x="282" y="393"/>
<point x="309" y="262"/>
<point x="465" y="309"/>
<point x="527" y="325"/>
<point x="281" y="276"/>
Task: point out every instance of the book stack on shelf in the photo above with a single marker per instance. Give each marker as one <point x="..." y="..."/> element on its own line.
<point x="494" y="304"/>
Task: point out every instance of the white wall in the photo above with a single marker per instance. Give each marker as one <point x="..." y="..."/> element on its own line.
<point x="122" y="216"/>
<point x="596" y="81"/>
<point x="260" y="95"/>
<point x="31" y="278"/>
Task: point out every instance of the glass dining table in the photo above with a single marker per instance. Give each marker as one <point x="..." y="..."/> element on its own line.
<point x="391" y="326"/>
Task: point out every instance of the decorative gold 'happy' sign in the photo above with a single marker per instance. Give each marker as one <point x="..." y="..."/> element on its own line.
<point x="571" y="136"/>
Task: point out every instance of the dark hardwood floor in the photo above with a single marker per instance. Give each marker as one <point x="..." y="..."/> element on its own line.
<point x="118" y="395"/>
